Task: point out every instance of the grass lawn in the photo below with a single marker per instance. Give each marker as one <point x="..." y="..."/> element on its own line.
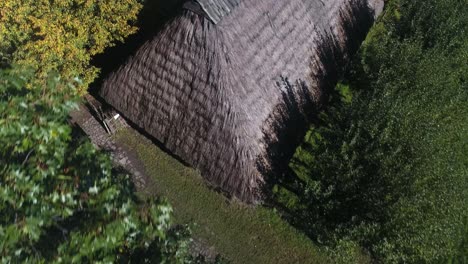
<point x="240" y="233"/>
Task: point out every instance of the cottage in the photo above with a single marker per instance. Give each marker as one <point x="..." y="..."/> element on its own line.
<point x="229" y="85"/>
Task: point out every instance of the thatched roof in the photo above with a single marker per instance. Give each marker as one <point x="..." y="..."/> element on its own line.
<point x="230" y="91"/>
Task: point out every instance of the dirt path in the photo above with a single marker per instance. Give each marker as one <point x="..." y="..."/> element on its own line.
<point x="103" y="140"/>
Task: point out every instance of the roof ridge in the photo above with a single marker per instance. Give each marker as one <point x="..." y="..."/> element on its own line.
<point x="214" y="10"/>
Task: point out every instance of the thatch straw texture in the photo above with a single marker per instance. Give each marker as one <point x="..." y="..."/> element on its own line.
<point x="219" y="96"/>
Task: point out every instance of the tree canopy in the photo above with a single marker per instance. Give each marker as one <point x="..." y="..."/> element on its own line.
<point x="62" y="35"/>
<point x="60" y="199"/>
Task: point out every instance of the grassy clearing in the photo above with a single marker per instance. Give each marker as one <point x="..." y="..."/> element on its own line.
<point x="240" y="233"/>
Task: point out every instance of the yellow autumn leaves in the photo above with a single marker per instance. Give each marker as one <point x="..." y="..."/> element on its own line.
<point x="63" y="35"/>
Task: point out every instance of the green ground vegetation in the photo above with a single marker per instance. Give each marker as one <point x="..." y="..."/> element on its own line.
<point x="240" y="233"/>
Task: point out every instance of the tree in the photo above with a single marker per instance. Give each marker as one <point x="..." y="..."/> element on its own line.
<point x="60" y="199"/>
<point x="63" y="35"/>
<point x="388" y="170"/>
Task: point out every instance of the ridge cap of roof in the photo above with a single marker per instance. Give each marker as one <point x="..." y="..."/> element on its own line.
<point x="214" y="10"/>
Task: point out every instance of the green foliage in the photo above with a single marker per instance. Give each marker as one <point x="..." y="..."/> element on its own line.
<point x="389" y="169"/>
<point x="62" y="35"/>
<point x="60" y="200"/>
<point x="462" y="254"/>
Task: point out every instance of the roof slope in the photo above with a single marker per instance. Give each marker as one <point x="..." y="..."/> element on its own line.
<point x="218" y="95"/>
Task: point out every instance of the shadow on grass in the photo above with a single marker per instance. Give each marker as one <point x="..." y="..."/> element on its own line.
<point x="240" y="233"/>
